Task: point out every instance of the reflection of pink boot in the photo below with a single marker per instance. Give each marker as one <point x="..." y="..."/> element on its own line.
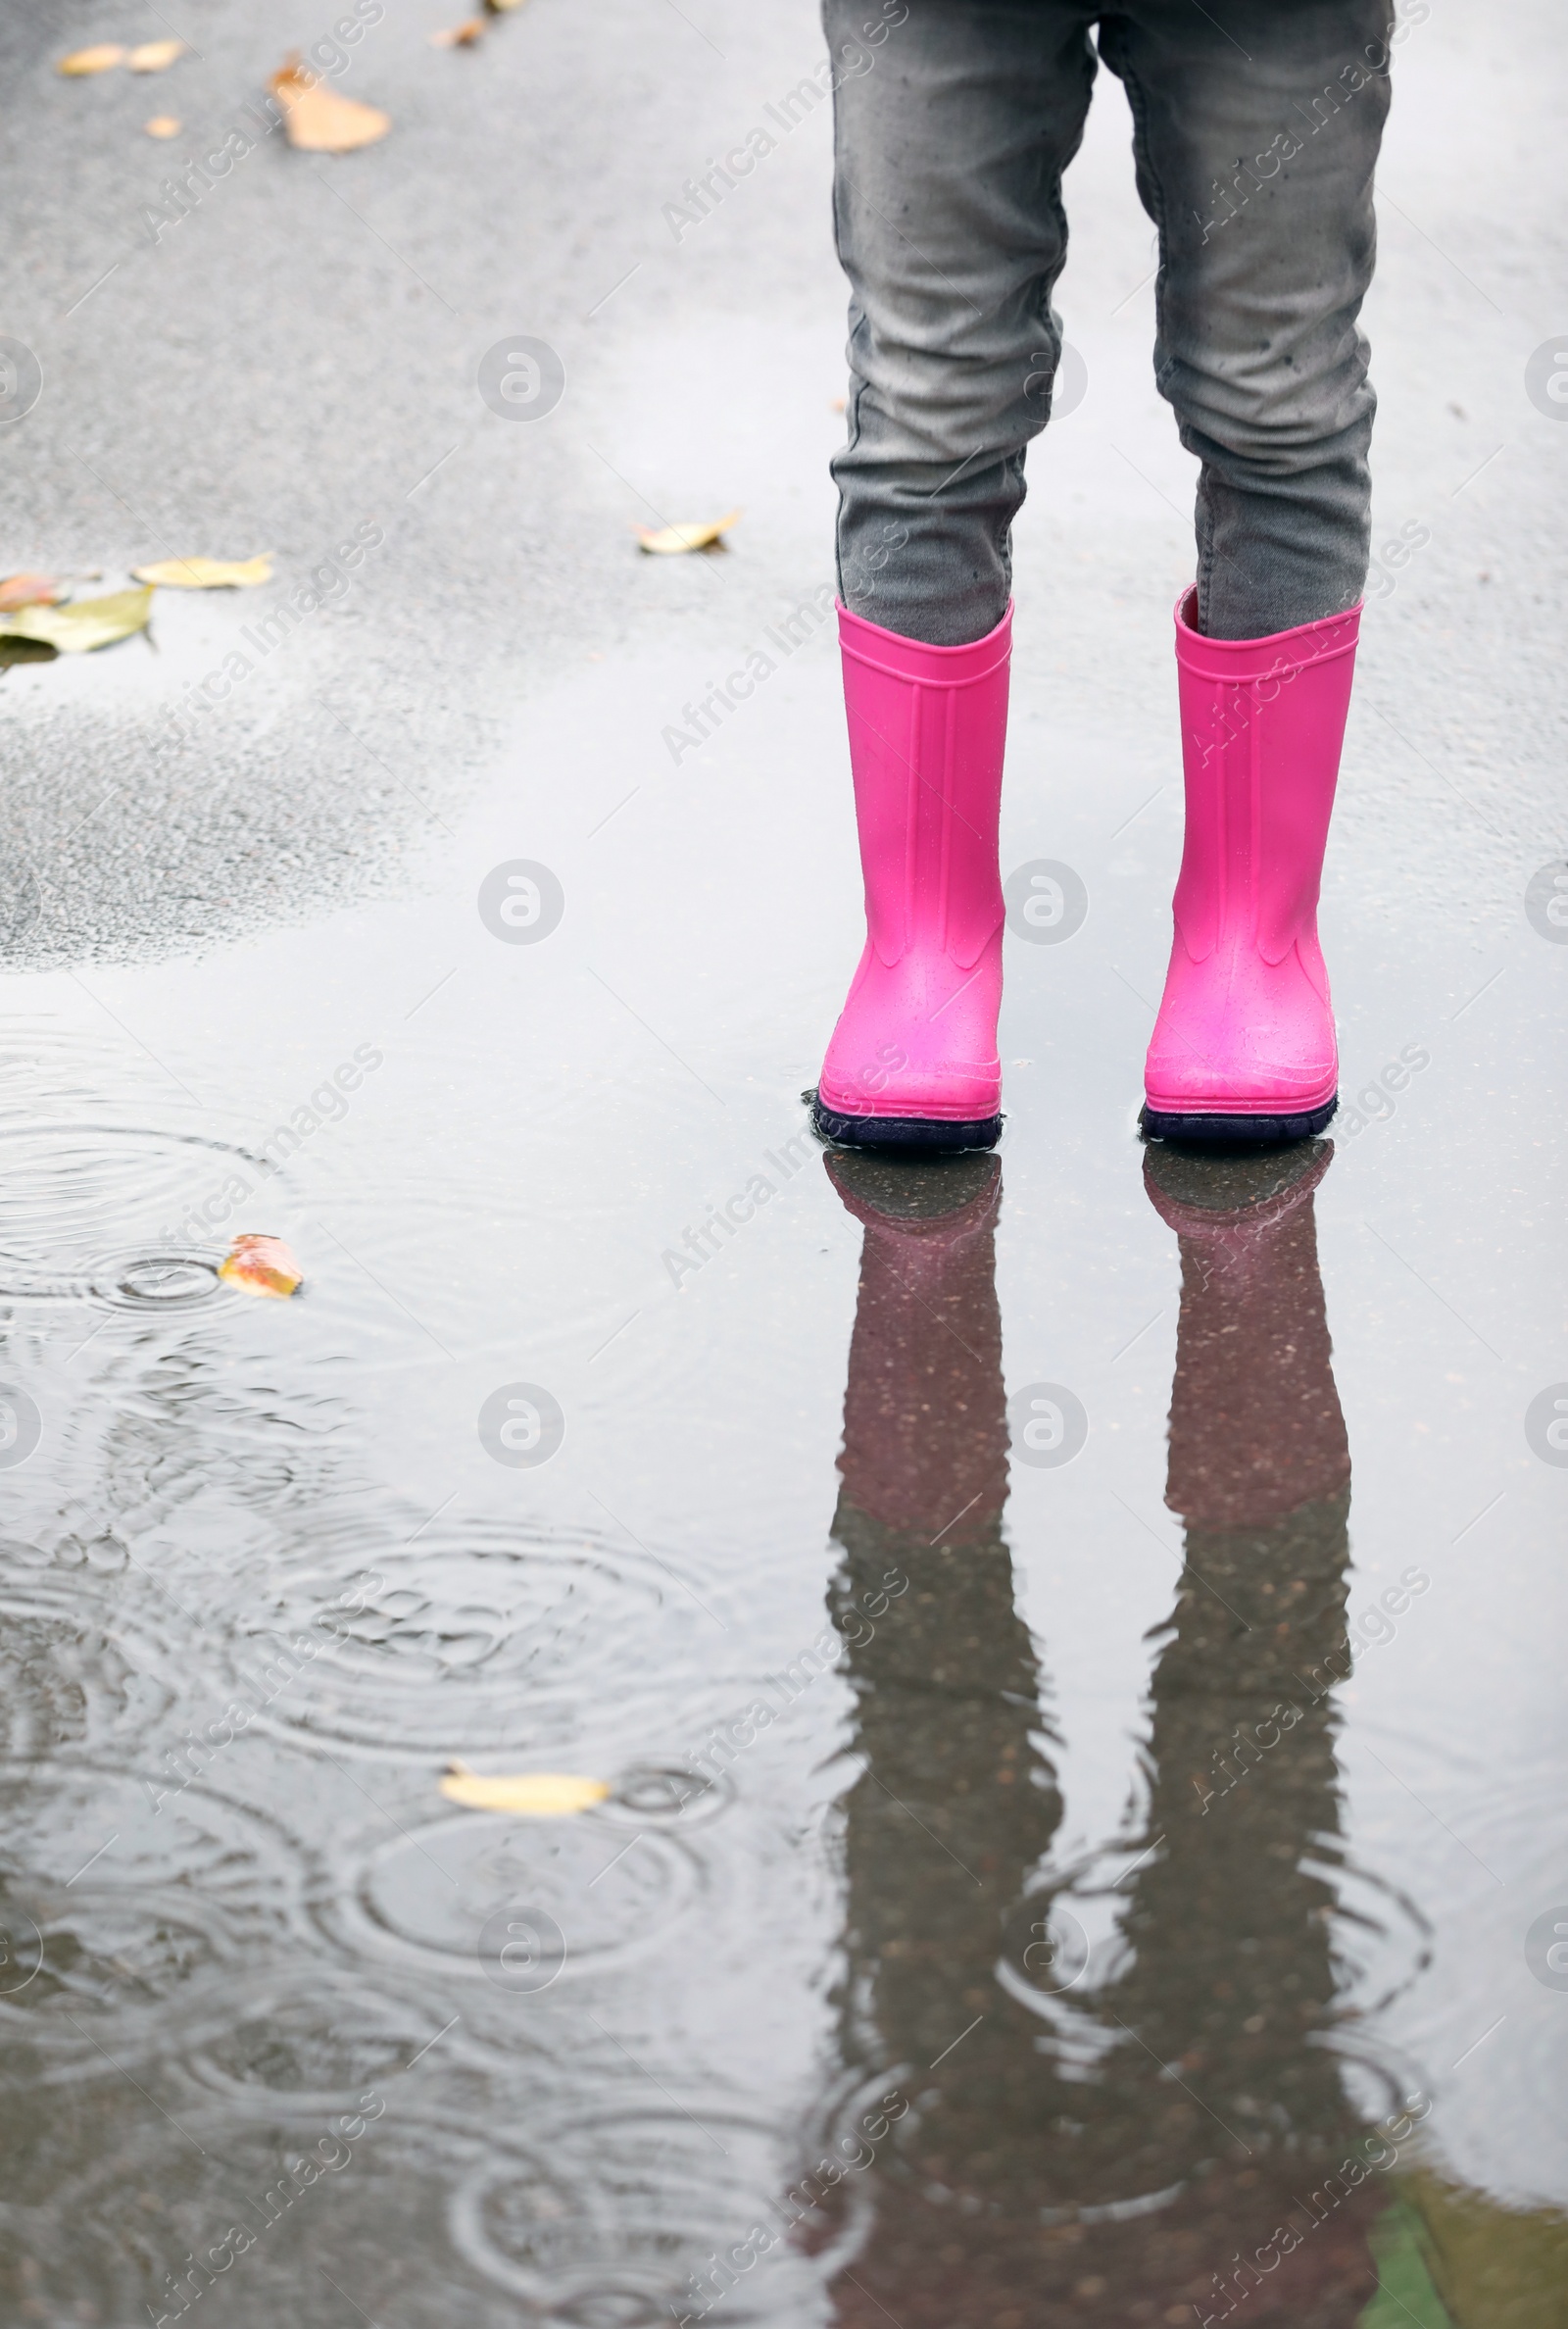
<point x="913" y="1063"/>
<point x="1244" y="1047"/>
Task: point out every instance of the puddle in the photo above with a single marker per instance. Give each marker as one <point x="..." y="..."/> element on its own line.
<point x="1075" y="1638"/>
<point x="428" y="1648"/>
<point x="1066" y="1635"/>
<point x="523" y="1903"/>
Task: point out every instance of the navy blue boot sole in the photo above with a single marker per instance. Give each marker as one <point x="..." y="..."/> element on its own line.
<point x="914" y="1135"/>
<point x="1236" y="1132"/>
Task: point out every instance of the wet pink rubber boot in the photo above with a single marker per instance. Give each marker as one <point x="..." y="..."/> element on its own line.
<point x="1244" y="1047"/>
<point x="913" y="1063"/>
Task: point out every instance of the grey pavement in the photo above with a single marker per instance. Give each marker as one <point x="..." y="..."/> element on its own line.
<point x="204" y="934"/>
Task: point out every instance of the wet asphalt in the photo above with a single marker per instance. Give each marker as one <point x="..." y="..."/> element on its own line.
<point x="255" y="981"/>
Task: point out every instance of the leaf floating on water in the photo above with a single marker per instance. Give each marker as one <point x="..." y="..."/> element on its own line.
<point x="84" y="625"/>
<point x="155" y="56"/>
<point x="27" y="590"/>
<point x="531" y="1794"/>
<point x="259" y="1264"/>
<point x="666" y="540"/>
<point x="459" y="35"/>
<point x="208" y="574"/>
<point x="163" y="125"/>
<point x="317" y="119"/>
<point x="101" y="58"/>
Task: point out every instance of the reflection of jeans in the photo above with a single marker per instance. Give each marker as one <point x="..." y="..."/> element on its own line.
<point x="1256" y="130"/>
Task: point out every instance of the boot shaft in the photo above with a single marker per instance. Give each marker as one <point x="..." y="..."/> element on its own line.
<point x="1262" y="726"/>
<point x="927" y="731"/>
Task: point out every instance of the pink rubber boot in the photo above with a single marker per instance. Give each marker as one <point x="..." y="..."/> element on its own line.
<point x="913" y="1063"/>
<point x="1244" y="1047"/>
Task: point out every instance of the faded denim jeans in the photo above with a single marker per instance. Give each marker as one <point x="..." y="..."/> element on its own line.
<point x="1255" y="133"/>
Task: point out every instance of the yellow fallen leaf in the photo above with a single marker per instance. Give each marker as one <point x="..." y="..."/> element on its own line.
<point x="107" y="53"/>
<point x="154" y="56"/>
<point x="459" y="35"/>
<point x="532" y="1795"/>
<point x="27" y="590"/>
<point x="87" y="623"/>
<point x="666" y="540"/>
<point x="317" y="119"/>
<point x="259" y="1264"/>
<point x="162" y="126"/>
<point x="208" y="574"/>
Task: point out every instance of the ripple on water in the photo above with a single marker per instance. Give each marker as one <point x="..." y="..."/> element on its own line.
<point x="655" y="1795"/>
<point x="134" y="1893"/>
<point x="1381" y="1937"/>
<point x="630" y="2205"/>
<point x="521" y="1904"/>
<point x="122" y="1214"/>
<point x="475" y="1635"/>
<point x="265" y="2204"/>
<point x="178" y="1279"/>
<point x="223" y="1454"/>
<point x="314" y="2040"/>
<point x="81" y="1664"/>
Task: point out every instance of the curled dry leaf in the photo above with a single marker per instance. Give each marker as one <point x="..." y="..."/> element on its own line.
<point x="459" y="35"/>
<point x="87" y="623"/>
<point x="668" y="540"/>
<point x="531" y="1794"/>
<point x="317" y="119"/>
<point x="162" y="126"/>
<point x="27" y="590"/>
<point x="259" y="1264"/>
<point x="101" y="58"/>
<point x="155" y="56"/>
<point x="208" y="574"/>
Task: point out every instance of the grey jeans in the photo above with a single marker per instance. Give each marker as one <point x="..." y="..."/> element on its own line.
<point x="1255" y="132"/>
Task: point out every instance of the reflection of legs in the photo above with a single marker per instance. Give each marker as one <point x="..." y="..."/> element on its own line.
<point x="1232" y="1974"/>
<point x="955" y="1805"/>
<point x="1015" y="2189"/>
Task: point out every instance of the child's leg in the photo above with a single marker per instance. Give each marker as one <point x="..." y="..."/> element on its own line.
<point x="951" y="150"/>
<point x="1256" y="146"/>
<point x="948" y="205"/>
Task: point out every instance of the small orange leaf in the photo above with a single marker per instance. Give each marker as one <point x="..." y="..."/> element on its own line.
<point x="100" y="59"/>
<point x="666" y="541"/>
<point x="155" y="56"/>
<point x="459" y="35"/>
<point x="28" y="590"/>
<point x="162" y="126"/>
<point x="317" y="119"/>
<point x="259" y="1264"/>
